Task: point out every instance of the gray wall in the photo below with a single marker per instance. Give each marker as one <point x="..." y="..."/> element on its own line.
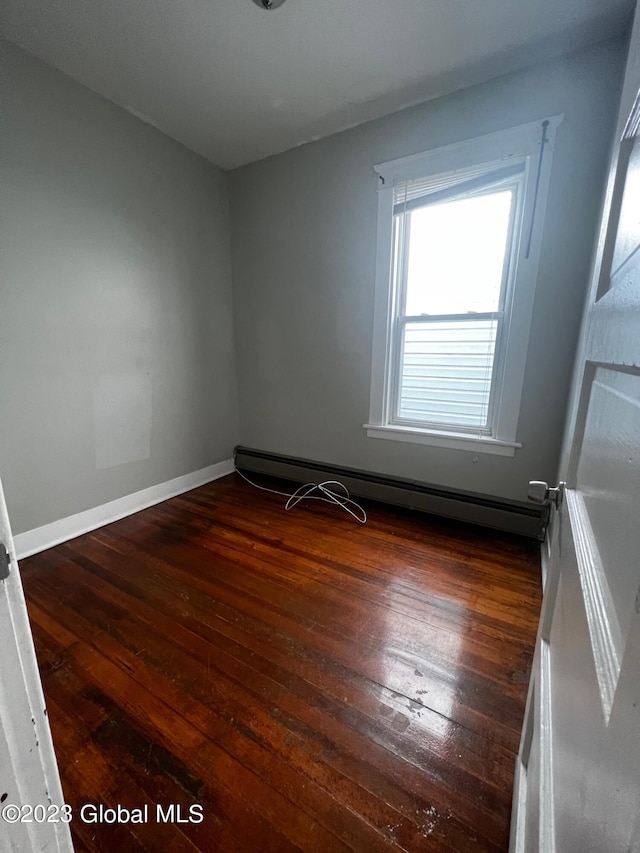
<point x="116" y="342"/>
<point x="303" y="250"/>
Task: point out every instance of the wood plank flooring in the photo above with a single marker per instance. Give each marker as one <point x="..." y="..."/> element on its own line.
<point x="313" y="683"/>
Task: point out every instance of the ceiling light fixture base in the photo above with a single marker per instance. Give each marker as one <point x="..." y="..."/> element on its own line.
<point x="268" y="4"/>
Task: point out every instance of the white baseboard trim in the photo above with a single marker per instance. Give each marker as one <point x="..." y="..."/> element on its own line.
<point x="41" y="538"/>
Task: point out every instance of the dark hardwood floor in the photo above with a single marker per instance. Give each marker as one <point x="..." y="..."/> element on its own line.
<point x="313" y="683"/>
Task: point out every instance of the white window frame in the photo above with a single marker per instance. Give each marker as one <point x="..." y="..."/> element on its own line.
<point x="516" y="145"/>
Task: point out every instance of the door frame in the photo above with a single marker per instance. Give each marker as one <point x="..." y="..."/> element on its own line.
<point x="538" y="716"/>
<point x="29" y="773"/>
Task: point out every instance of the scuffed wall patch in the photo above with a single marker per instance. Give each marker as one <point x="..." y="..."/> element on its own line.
<point x="122" y="412"/>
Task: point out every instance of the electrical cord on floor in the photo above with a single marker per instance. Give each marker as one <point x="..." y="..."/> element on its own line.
<point x="328" y="494"/>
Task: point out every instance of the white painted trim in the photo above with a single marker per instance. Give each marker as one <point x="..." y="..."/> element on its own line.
<point x="632" y="127"/>
<point x="521" y="142"/>
<point x="546" y="837"/>
<point x="604" y="628"/>
<point x="519" y="808"/>
<point x="28" y="767"/>
<point x="503" y="144"/>
<point x="384" y="298"/>
<point x="452" y="440"/>
<point x="41" y="538"/>
<point x="545" y="559"/>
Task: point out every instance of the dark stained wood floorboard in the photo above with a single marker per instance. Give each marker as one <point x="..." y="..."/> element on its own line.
<point x="313" y="683"/>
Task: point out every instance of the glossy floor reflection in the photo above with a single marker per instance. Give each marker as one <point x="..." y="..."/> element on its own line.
<point x="315" y="684"/>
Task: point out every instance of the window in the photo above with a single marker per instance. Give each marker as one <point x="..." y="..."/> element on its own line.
<point x="459" y="231"/>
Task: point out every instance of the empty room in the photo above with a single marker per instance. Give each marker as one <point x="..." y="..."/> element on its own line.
<point x="320" y="446"/>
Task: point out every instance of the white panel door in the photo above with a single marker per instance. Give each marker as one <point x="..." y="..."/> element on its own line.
<point x="578" y="772"/>
<point x="28" y="770"/>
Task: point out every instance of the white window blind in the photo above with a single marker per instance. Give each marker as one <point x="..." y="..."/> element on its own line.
<point x="411" y="193"/>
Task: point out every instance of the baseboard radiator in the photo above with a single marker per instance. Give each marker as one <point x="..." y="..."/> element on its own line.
<point x="511" y="516"/>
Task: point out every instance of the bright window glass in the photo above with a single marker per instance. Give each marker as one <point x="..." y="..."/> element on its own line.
<point x="446" y="372"/>
<point x="456" y="254"/>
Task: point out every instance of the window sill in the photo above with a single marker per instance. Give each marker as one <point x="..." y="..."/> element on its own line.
<point x="451" y="440"/>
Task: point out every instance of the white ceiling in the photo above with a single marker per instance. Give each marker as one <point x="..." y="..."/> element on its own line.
<point x="236" y="83"/>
